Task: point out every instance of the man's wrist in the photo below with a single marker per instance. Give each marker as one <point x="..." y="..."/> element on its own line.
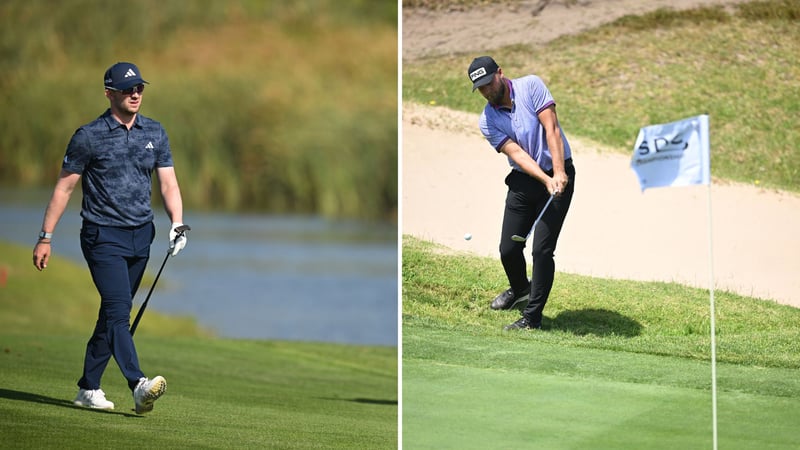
<point x="45" y="235"/>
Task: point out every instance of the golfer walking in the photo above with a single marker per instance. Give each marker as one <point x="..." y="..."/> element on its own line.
<point x="520" y="121"/>
<point x="114" y="158"/>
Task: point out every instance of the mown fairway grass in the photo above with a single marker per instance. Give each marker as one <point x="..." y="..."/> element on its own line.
<point x="222" y="393"/>
<point x="619" y="364"/>
<point x="739" y="66"/>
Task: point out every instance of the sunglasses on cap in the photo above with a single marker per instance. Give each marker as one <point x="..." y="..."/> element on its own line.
<point x="139" y="88"/>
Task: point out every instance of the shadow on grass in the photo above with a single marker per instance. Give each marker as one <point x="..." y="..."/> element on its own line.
<point x="36" y="398"/>
<point x="599" y="322"/>
<point x="371" y="401"/>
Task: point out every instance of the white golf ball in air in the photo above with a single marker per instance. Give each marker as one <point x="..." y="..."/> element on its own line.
<point x="467" y="236"/>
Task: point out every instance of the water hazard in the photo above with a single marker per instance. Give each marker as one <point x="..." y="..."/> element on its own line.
<point x="256" y="277"/>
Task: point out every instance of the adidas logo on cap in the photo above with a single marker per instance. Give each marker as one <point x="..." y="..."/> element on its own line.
<point x="122" y="75"/>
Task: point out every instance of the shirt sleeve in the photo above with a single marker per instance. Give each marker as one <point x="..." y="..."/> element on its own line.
<point x="164" y="154"/>
<point x="79" y="152"/>
<point x="540" y="95"/>
<point x="496" y="137"/>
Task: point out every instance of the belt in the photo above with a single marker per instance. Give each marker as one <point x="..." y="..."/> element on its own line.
<point x="119" y="227"/>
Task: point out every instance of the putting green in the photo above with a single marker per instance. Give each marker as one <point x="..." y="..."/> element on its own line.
<point x="452" y="406"/>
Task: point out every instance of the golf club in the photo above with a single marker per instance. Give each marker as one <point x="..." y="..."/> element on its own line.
<point x="180" y="230"/>
<point x="518" y="238"/>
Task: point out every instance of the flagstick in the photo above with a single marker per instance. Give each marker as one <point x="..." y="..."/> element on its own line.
<point x="713" y="325"/>
<point x="654" y="171"/>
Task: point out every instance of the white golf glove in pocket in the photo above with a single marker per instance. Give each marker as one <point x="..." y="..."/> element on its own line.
<point x="176" y="243"/>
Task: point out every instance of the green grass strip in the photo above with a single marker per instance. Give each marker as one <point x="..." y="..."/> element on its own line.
<point x="618" y="365"/>
<point x="222" y="393"/>
<point x="542" y="396"/>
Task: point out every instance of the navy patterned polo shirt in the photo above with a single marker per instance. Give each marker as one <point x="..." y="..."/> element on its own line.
<point x="116" y="167"/>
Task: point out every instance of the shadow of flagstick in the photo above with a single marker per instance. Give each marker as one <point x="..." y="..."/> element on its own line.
<point x="372" y="401"/>
<point x="36" y="398"/>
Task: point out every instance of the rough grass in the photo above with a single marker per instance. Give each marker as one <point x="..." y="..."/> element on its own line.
<point x="452" y="291"/>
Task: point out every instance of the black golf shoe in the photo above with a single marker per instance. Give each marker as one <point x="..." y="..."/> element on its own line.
<point x="522" y="324"/>
<point x="508" y="300"/>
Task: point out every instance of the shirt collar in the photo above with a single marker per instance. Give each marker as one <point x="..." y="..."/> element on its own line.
<point x="112" y="122"/>
<point x="510" y="86"/>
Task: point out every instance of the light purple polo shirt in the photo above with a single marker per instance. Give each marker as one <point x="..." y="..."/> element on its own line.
<point x="521" y="124"/>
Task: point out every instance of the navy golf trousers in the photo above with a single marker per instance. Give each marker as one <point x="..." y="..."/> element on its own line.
<point x="117" y="258"/>
<point x="525" y="199"/>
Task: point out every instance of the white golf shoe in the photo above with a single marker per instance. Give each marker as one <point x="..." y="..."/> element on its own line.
<point x="93" y="398"/>
<point x="147" y="392"/>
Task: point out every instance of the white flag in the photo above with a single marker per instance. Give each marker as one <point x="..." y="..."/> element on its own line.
<point x="673" y="154"/>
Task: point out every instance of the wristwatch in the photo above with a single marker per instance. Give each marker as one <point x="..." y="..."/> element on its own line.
<point x="45" y="235"/>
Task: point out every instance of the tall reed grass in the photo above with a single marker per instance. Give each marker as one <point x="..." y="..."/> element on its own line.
<point x="280" y="107"/>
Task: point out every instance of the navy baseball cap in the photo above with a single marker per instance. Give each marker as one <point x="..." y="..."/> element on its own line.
<point x="121" y="76"/>
<point x="481" y="70"/>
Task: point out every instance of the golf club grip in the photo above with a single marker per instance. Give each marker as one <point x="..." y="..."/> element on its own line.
<point x="182" y="229"/>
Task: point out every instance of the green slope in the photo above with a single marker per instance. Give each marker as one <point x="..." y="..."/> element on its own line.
<point x="619" y="364"/>
<point x="222" y="393"/>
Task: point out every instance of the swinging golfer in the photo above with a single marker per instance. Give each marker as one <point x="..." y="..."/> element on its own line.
<point x="519" y="120"/>
<point x="114" y="157"/>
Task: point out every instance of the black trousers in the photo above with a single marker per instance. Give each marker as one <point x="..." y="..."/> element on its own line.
<point x="525" y="199"/>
